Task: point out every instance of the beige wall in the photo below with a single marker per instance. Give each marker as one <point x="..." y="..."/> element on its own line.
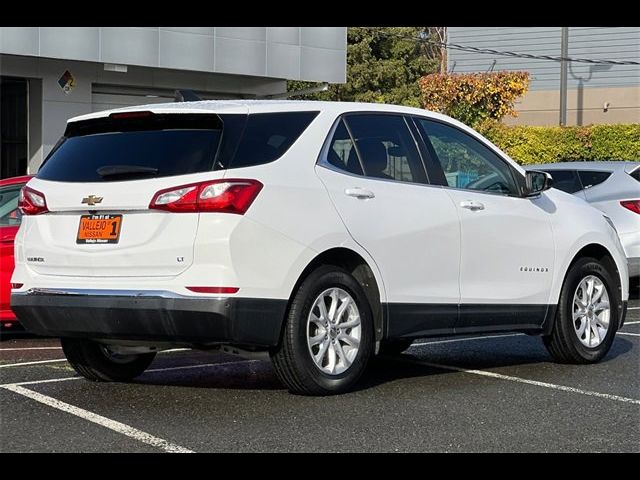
<point x="541" y="107"/>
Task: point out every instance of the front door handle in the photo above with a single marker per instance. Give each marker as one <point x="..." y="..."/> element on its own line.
<point x="359" y="193"/>
<point x="471" y="205"/>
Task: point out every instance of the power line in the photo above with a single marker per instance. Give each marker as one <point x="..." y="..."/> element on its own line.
<point x="503" y="53"/>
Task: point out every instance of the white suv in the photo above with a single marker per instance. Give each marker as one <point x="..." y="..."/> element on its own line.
<point x="321" y="233"/>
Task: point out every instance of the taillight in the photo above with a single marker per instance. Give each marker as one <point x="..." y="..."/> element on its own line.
<point x="32" y="202"/>
<point x="225" y="196"/>
<point x="633" y="205"/>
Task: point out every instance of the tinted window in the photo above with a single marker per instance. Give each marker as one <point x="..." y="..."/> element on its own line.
<point x="591" y="179"/>
<point x="268" y="136"/>
<point x="466" y="162"/>
<point x="171" y="152"/>
<point x="565" y="180"/>
<point x="636" y="174"/>
<point x="165" y="145"/>
<point x="386" y="148"/>
<point x="341" y="153"/>
<point x="9" y="213"/>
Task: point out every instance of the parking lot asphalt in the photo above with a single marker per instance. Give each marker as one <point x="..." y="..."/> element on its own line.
<point x="495" y="393"/>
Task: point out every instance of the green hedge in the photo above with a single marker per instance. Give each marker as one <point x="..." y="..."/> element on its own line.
<point x="531" y="145"/>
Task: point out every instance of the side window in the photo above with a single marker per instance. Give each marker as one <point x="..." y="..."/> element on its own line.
<point x="341" y="153"/>
<point x="466" y="162"/>
<point x="9" y="213"/>
<point x="386" y="148"/>
<point x="267" y="136"/>
<point x="565" y="180"/>
<point x="591" y="179"/>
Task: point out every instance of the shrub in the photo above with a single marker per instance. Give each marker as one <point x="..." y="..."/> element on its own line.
<point x="474" y="97"/>
<point x="531" y="145"/>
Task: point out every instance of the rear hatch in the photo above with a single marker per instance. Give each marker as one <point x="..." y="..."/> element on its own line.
<point x="98" y="183"/>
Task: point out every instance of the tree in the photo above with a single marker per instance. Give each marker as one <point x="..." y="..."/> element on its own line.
<point x="384" y="65"/>
<point x="474" y="97"/>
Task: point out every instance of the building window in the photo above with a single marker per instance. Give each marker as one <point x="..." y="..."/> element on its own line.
<point x="13" y="126"/>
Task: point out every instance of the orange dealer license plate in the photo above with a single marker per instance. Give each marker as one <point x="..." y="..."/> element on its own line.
<point x="103" y="228"/>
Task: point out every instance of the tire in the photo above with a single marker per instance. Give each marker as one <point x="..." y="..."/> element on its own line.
<point x="394" y="347"/>
<point x="92" y="361"/>
<point x="293" y="360"/>
<point x="564" y="343"/>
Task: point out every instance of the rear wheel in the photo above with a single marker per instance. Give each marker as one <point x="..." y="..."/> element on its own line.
<point x="587" y="317"/>
<point x="328" y="336"/>
<point x="96" y="362"/>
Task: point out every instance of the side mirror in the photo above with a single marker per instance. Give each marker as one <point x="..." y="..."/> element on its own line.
<point x="537" y="182"/>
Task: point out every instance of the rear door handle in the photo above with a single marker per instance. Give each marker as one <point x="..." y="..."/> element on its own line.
<point x="359" y="192"/>
<point x="471" y="205"/>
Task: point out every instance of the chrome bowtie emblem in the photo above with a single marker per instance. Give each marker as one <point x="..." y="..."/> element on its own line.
<point x="91" y="200"/>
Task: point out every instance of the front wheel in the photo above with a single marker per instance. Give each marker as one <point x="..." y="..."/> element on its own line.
<point x="587" y="316"/>
<point x="328" y="335"/>
<point x="96" y="362"/>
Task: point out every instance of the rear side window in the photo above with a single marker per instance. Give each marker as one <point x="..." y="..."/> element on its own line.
<point x="386" y="148"/>
<point x="636" y="174"/>
<point x="267" y="136"/>
<point x="591" y="179"/>
<point x="9" y="213"/>
<point x="565" y="180"/>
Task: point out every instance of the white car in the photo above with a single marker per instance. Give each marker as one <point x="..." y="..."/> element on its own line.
<point x="613" y="188"/>
<point x="321" y="233"/>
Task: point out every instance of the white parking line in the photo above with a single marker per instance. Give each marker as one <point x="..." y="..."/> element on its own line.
<point x="114" y="425"/>
<point x="29" y="348"/>
<point x="38" y="362"/>
<point x="483" y="337"/>
<point x="153" y="370"/>
<point x="510" y="378"/>
<point x="631" y="323"/>
<point x="630" y="334"/>
<point x="202" y="365"/>
<point x="633" y="308"/>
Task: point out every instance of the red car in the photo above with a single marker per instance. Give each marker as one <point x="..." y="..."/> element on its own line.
<point x="9" y="223"/>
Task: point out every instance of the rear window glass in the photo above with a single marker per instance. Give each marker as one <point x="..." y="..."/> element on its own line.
<point x="147" y="154"/>
<point x="636" y="174"/>
<point x="591" y="179"/>
<point x="168" y="145"/>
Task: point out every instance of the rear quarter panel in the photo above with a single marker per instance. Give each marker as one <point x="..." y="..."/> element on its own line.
<point x="295" y="207"/>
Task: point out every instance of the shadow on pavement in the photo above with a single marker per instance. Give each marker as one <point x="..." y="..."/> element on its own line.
<point x="236" y="374"/>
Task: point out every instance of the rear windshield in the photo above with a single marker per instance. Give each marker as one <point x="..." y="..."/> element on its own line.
<point x="636" y="174"/>
<point x="166" y="145"/>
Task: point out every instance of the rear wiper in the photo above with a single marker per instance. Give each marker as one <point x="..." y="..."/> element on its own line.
<point x="116" y="170"/>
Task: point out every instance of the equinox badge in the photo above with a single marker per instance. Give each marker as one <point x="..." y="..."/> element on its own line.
<point x="91" y="200"/>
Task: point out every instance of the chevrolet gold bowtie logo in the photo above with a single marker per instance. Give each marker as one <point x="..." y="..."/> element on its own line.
<point x="91" y="200"/>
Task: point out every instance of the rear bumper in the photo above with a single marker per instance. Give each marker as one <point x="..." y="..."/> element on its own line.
<point x="150" y="316"/>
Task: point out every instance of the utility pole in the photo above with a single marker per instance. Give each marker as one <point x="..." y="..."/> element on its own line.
<point x="564" y="66"/>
